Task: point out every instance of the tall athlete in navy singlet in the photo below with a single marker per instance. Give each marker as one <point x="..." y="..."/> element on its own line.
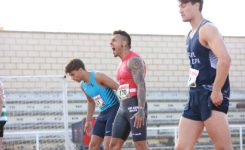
<point x="98" y="89"/>
<point x="132" y="114"/>
<point x="209" y="92"/>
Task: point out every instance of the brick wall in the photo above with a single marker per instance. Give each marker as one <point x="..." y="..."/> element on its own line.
<point x="45" y="53"/>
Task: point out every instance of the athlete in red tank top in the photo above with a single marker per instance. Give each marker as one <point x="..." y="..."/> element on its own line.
<point x="124" y="74"/>
<point x="132" y="114"/>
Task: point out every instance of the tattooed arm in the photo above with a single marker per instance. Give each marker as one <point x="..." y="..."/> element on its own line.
<point x="137" y="68"/>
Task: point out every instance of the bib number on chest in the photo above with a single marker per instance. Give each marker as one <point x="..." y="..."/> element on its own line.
<point x="98" y="101"/>
<point x="193" y="73"/>
<point x="123" y="91"/>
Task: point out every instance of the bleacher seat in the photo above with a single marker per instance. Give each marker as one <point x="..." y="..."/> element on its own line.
<point x="164" y="109"/>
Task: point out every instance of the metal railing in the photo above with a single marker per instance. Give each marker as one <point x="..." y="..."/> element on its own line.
<point x="175" y="129"/>
<point x="37" y="134"/>
<point x="66" y="131"/>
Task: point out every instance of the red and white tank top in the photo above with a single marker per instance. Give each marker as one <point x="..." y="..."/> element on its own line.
<point x="127" y="87"/>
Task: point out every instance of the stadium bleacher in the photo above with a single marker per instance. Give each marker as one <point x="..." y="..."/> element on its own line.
<point x="25" y="114"/>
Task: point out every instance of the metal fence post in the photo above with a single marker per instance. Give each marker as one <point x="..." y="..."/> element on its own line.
<point x="65" y="113"/>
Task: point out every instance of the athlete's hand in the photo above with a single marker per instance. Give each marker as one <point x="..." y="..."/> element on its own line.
<point x="139" y="118"/>
<point x="217" y="97"/>
<point x="88" y="127"/>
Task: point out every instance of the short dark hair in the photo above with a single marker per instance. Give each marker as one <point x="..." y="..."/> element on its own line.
<point x="124" y="34"/>
<point x="74" y="64"/>
<point x="193" y="2"/>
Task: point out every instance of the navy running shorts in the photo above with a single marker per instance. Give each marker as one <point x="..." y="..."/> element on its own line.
<point x="2" y="123"/>
<point x="104" y="121"/>
<point x="199" y="105"/>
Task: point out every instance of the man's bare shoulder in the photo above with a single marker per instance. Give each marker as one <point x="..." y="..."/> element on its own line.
<point x="208" y="33"/>
<point x="135" y="62"/>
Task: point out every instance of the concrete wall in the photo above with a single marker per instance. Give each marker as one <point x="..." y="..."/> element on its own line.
<point x="45" y="53"/>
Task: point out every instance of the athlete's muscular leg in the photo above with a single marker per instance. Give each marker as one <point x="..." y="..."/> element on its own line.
<point x="1" y="143"/>
<point x="141" y="145"/>
<point x="218" y="130"/>
<point x="106" y="143"/>
<point x="95" y="142"/>
<point x="116" y="144"/>
<point x="189" y="132"/>
<point x="120" y="129"/>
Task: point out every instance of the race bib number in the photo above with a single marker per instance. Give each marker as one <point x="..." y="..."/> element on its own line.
<point x="123" y="91"/>
<point x="193" y="73"/>
<point x="98" y="101"/>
